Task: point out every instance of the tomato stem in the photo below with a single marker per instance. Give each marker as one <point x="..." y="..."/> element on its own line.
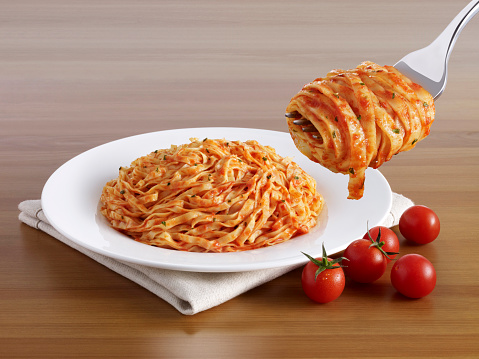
<point x="379" y="244"/>
<point x="325" y="263"/>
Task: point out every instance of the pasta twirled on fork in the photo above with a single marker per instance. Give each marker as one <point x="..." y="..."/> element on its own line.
<point x="359" y="118"/>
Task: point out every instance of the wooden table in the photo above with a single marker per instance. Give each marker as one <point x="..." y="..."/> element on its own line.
<point x="76" y="74"/>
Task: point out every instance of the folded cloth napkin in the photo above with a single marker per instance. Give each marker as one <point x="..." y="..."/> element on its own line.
<point x="188" y="292"/>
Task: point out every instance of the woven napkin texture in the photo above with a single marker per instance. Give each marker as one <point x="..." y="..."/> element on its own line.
<point x="188" y="292"/>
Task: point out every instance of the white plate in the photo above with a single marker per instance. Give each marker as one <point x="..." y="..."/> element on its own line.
<point x="71" y="195"/>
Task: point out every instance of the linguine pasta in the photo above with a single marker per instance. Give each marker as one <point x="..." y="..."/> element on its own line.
<point x="212" y="196"/>
<point x="362" y="117"/>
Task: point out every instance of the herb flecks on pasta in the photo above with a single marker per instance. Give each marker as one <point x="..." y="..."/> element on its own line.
<point x="212" y="196"/>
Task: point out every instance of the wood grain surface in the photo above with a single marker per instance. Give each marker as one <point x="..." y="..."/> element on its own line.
<point x="76" y="74"/>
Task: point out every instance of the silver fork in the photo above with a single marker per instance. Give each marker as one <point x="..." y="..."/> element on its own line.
<point x="427" y="66"/>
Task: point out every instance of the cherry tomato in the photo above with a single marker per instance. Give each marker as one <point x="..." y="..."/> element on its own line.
<point x="365" y="263"/>
<point x="419" y="224"/>
<point x="413" y="276"/>
<point x="323" y="279"/>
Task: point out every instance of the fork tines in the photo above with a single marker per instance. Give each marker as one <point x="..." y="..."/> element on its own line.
<point x="294" y="114"/>
<point x="302" y="122"/>
<point x="306" y="125"/>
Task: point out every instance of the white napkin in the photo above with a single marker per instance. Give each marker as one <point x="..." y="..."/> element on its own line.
<point x="188" y="292"/>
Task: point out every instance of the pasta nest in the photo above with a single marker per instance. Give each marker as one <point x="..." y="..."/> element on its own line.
<point x="363" y="116"/>
<point x="212" y="196"/>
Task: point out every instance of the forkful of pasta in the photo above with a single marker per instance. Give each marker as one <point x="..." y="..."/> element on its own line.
<point x="354" y="119"/>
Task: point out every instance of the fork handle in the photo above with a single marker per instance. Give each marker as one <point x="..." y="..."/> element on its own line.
<point x="445" y="42"/>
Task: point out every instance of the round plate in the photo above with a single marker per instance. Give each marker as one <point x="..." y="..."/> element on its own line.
<point x="70" y="201"/>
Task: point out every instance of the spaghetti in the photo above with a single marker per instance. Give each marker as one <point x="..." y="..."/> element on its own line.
<point x="361" y="118"/>
<point x="212" y="196"/>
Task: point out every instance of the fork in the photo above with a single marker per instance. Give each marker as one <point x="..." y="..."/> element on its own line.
<point x="427" y="66"/>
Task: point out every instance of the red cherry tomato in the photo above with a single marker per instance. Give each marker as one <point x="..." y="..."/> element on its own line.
<point x="323" y="279"/>
<point x="365" y="262"/>
<point x="413" y="276"/>
<point x="386" y="235"/>
<point x="419" y="224"/>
